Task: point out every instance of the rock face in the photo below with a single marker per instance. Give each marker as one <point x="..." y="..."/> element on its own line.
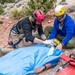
<point x="17" y="3"/>
<point x="69" y="2"/>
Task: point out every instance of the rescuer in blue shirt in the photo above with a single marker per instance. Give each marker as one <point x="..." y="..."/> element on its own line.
<point x="63" y="28"/>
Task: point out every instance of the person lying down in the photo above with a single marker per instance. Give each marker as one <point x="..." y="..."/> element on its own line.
<point x="29" y="60"/>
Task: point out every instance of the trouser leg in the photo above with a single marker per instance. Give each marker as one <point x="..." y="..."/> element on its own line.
<point x="47" y="30"/>
<point x="71" y="42"/>
<point x="6" y="49"/>
<point x="59" y="37"/>
<point x="15" y="38"/>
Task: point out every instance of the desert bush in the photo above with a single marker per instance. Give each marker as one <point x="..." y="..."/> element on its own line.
<point x="17" y="13"/>
<point x="1" y="10"/>
<point x="27" y="10"/>
<point x="14" y="13"/>
<point x="43" y="5"/>
<point x="8" y="1"/>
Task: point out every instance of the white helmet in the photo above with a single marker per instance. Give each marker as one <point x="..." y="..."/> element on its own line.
<point x="59" y="10"/>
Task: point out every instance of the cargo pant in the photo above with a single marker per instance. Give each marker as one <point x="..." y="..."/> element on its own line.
<point x="23" y="43"/>
<point x="70" y="44"/>
<point x="15" y="38"/>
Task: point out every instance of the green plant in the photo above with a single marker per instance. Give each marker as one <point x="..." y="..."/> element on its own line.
<point x="1" y="10"/>
<point x="8" y="1"/>
<point x="43" y="5"/>
<point x="14" y="12"/>
<point x="17" y="13"/>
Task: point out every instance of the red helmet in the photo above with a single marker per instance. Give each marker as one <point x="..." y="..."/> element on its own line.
<point x="38" y="15"/>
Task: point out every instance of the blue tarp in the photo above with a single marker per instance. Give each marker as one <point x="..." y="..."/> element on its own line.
<point x="23" y="60"/>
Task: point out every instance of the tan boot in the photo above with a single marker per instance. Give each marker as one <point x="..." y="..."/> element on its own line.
<point x="6" y="49"/>
<point x="1" y="53"/>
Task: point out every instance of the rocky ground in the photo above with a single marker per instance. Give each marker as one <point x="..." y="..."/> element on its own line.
<point x="6" y="23"/>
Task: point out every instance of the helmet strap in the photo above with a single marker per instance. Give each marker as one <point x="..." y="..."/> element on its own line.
<point x="62" y="17"/>
<point x="34" y="16"/>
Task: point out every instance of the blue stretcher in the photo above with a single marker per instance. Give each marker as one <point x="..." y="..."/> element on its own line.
<point x="23" y="60"/>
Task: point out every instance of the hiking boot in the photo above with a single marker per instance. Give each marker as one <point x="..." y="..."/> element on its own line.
<point x="1" y="53"/>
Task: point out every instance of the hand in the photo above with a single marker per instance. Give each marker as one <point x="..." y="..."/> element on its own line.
<point x="38" y="70"/>
<point x="43" y="37"/>
<point x="59" y="46"/>
<point x="48" y="42"/>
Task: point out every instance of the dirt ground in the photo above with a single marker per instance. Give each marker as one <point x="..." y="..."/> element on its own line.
<point x="9" y="22"/>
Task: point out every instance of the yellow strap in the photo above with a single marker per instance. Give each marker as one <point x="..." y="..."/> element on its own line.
<point x="56" y="41"/>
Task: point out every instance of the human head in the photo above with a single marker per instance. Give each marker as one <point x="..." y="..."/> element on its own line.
<point x="60" y="12"/>
<point x="38" y="16"/>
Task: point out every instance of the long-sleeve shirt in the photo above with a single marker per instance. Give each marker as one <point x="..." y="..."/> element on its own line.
<point x="68" y="29"/>
<point x="25" y="26"/>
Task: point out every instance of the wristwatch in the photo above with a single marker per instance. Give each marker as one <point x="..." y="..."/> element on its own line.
<point x="44" y="67"/>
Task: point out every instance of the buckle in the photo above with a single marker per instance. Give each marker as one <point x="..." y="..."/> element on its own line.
<point x="14" y="32"/>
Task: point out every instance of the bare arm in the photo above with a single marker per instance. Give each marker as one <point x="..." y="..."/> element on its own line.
<point x="36" y="40"/>
<point x="42" y="68"/>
